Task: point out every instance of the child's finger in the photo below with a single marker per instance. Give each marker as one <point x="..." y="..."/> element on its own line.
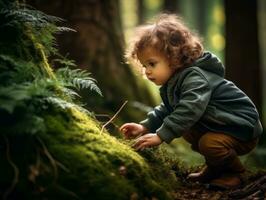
<point x="138" y="142"/>
<point x="126" y="125"/>
<point x="123" y="130"/>
<point x="141" y="146"/>
<point x="127" y="135"/>
<point x="123" y="127"/>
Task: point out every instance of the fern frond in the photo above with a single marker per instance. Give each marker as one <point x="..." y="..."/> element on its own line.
<point x="78" y="78"/>
<point x="34" y="17"/>
<point x="65" y="62"/>
<point x="14" y="70"/>
<point x="70" y="93"/>
<point x="17" y="95"/>
<point x="65" y="29"/>
<point x="62" y="104"/>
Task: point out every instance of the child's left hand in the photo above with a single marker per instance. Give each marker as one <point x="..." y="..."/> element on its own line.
<point x="147" y="140"/>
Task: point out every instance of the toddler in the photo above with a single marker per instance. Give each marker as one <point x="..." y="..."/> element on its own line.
<point x="198" y="103"/>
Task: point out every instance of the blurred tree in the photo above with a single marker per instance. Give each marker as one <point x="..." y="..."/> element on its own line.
<point x="98" y="47"/>
<point x="242" y="48"/>
<point x="141" y="10"/>
<point x="206" y="18"/>
<point x="171" y="6"/>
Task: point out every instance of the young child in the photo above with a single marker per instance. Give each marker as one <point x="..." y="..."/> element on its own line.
<point x="198" y="103"/>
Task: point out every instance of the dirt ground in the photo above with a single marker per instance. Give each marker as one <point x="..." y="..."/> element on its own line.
<point x="253" y="188"/>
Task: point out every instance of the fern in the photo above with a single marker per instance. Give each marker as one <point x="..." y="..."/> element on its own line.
<point x="25" y="91"/>
<point x="64" y="105"/>
<point x="25" y="14"/>
<point x="77" y="78"/>
<point x="14" y="70"/>
<point x="64" y="61"/>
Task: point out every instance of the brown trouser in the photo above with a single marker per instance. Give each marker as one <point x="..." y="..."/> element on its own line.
<point x="218" y="149"/>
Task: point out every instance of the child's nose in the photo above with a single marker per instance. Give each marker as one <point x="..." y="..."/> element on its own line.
<point x="147" y="71"/>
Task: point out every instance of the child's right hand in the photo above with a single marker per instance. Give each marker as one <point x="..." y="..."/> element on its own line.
<point x="132" y="130"/>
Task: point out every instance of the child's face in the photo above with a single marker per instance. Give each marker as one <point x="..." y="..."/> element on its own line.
<point x="156" y="66"/>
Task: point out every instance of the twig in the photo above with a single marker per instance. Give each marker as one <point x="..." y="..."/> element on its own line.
<point x="107" y="116"/>
<point x="62" y="166"/>
<point x="16" y="170"/>
<point x="50" y="157"/>
<point x="113" y="116"/>
<point x="101" y="115"/>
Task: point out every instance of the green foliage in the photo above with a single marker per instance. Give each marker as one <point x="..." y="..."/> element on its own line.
<point x="25" y="88"/>
<point x="52" y="148"/>
<point x="77" y="78"/>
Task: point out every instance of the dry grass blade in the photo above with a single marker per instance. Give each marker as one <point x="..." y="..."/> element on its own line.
<point x="113" y="116"/>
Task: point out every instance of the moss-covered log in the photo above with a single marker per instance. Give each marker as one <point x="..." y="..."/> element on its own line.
<point x="50" y="147"/>
<point x="74" y="160"/>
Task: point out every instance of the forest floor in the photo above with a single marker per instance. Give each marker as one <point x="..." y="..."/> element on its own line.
<point x="253" y="188"/>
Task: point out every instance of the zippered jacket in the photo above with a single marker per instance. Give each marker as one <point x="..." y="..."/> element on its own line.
<point x="199" y="97"/>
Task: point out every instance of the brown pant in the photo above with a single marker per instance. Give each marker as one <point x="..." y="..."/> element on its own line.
<point x="218" y="147"/>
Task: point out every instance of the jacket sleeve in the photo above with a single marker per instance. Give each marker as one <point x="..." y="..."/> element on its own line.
<point x="155" y="118"/>
<point x="195" y="94"/>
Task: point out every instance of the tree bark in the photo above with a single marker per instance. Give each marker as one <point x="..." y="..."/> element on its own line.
<point x="242" y="48"/>
<point x="141" y="11"/>
<point x="171" y="6"/>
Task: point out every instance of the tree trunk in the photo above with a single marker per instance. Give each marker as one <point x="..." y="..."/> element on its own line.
<point x="98" y="46"/>
<point x="171" y="6"/>
<point x="141" y="11"/>
<point x="242" y="48"/>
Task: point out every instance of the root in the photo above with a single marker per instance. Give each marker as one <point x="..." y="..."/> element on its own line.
<point x="51" y="159"/>
<point x="16" y="170"/>
<point x="35" y="169"/>
<point x="254" y="190"/>
<point x="62" y="166"/>
<point x="113" y="116"/>
<point x="71" y="194"/>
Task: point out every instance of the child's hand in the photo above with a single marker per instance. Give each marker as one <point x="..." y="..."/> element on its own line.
<point x="132" y="130"/>
<point x="148" y="140"/>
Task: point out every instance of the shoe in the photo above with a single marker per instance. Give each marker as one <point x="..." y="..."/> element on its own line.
<point x="203" y="176"/>
<point x="226" y="181"/>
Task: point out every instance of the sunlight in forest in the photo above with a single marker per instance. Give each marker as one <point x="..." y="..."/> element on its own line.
<point x="153" y="4"/>
<point x="194" y="101"/>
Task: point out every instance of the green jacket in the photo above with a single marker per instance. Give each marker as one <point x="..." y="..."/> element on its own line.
<point x="199" y="96"/>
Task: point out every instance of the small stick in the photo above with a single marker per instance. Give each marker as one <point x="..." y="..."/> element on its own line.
<point x="113" y="116"/>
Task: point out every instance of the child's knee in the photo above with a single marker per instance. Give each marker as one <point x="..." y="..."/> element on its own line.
<point x="211" y="146"/>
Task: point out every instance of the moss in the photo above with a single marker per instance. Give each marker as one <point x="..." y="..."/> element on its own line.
<point x="93" y="165"/>
<point x="69" y="156"/>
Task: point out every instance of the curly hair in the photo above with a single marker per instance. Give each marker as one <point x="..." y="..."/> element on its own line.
<point x="171" y="37"/>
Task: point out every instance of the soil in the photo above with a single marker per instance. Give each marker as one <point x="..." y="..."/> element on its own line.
<point x="253" y="188"/>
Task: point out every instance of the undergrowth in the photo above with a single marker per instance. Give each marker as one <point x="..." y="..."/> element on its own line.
<point x="50" y="146"/>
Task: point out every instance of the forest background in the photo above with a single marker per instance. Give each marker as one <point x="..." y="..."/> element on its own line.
<point x="52" y="147"/>
<point x="233" y="30"/>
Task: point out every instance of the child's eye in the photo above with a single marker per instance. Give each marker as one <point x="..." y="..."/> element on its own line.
<point x="152" y="64"/>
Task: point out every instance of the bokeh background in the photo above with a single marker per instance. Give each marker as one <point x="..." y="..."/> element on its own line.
<point x="234" y="30"/>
